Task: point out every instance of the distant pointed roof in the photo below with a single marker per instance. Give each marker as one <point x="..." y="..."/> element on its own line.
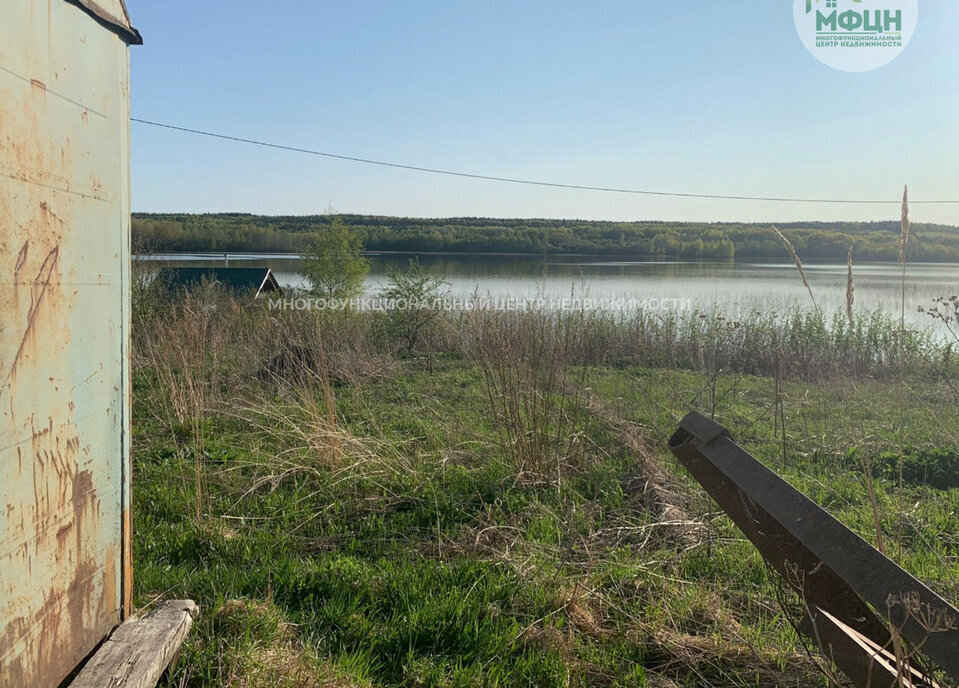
<point x="113" y="15"/>
<point x="258" y="280"/>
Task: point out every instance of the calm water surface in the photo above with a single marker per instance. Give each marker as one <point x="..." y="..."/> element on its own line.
<point x="734" y="287"/>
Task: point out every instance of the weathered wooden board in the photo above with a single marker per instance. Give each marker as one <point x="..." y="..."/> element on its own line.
<point x="140" y="650"/>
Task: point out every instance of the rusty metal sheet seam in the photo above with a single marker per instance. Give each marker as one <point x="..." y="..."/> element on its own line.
<point x="43" y="525"/>
<point x="25" y="440"/>
<point x="54" y="187"/>
<point x="29" y="282"/>
<point x="52" y="92"/>
<point x="126" y="375"/>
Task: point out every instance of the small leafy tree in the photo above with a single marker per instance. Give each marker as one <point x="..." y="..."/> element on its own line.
<point x="416" y="295"/>
<point x="334" y="265"/>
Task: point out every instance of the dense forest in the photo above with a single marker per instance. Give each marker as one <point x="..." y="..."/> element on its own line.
<point x="824" y="241"/>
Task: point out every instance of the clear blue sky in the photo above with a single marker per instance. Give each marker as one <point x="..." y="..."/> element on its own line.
<point x="699" y="96"/>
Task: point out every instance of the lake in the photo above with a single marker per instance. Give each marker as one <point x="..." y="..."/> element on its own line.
<point x="733" y="288"/>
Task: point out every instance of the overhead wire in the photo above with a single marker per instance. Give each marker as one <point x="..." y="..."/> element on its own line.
<point x="532" y="182"/>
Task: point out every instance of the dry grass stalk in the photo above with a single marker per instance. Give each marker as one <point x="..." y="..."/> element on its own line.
<point x="874" y="505"/>
<point x="905" y="225"/>
<point x="799" y="266"/>
<point x="700" y="660"/>
<point x="652" y="484"/>
<point x="305" y="438"/>
<point x="278" y="659"/>
<point x="850" y="288"/>
<point x="184" y="349"/>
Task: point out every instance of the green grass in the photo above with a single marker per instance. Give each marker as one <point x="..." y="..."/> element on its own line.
<point x="417" y="553"/>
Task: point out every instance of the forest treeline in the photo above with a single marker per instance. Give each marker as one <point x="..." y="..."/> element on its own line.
<point x="825" y="241"/>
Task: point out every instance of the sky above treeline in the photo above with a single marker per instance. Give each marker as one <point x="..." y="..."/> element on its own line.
<point x="692" y="97"/>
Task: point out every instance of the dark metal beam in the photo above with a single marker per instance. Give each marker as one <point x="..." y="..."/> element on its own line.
<point x="835" y="571"/>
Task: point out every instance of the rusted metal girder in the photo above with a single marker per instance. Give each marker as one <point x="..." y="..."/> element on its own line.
<point x="856" y="598"/>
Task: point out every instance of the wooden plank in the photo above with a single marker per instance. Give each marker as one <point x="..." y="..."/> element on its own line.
<point x="140" y="650"/>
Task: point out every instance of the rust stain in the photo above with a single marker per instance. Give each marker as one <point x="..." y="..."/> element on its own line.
<point x="41" y="284"/>
<point x="109" y="589"/>
<point x="84" y="497"/>
<point x="77" y="611"/>
<point x="21" y="258"/>
<point x="70" y="608"/>
<point x="45" y="208"/>
<point x="62" y="534"/>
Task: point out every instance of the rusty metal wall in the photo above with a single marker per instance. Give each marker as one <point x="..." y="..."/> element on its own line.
<point x="64" y="376"/>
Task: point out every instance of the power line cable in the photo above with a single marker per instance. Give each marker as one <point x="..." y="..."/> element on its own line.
<point x="528" y="182"/>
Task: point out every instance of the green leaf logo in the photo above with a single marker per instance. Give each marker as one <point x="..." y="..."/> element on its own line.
<point x="829" y="3"/>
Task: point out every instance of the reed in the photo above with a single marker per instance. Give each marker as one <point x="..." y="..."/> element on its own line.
<point x="905" y="225"/>
<point x="850" y="288"/>
<point x="799" y="266"/>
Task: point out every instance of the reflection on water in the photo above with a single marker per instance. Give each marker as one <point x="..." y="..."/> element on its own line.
<point x="731" y="287"/>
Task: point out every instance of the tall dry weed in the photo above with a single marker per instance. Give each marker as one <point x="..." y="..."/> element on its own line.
<point x="532" y="387"/>
<point x="799" y="265"/>
<point x="183" y="348"/>
<point x="850" y="289"/>
<point x="905" y="225"/>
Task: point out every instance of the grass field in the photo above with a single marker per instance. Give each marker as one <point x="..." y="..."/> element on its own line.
<point x="500" y="509"/>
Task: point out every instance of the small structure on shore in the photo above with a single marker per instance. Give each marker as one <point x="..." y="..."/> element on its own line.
<point x="240" y="281"/>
